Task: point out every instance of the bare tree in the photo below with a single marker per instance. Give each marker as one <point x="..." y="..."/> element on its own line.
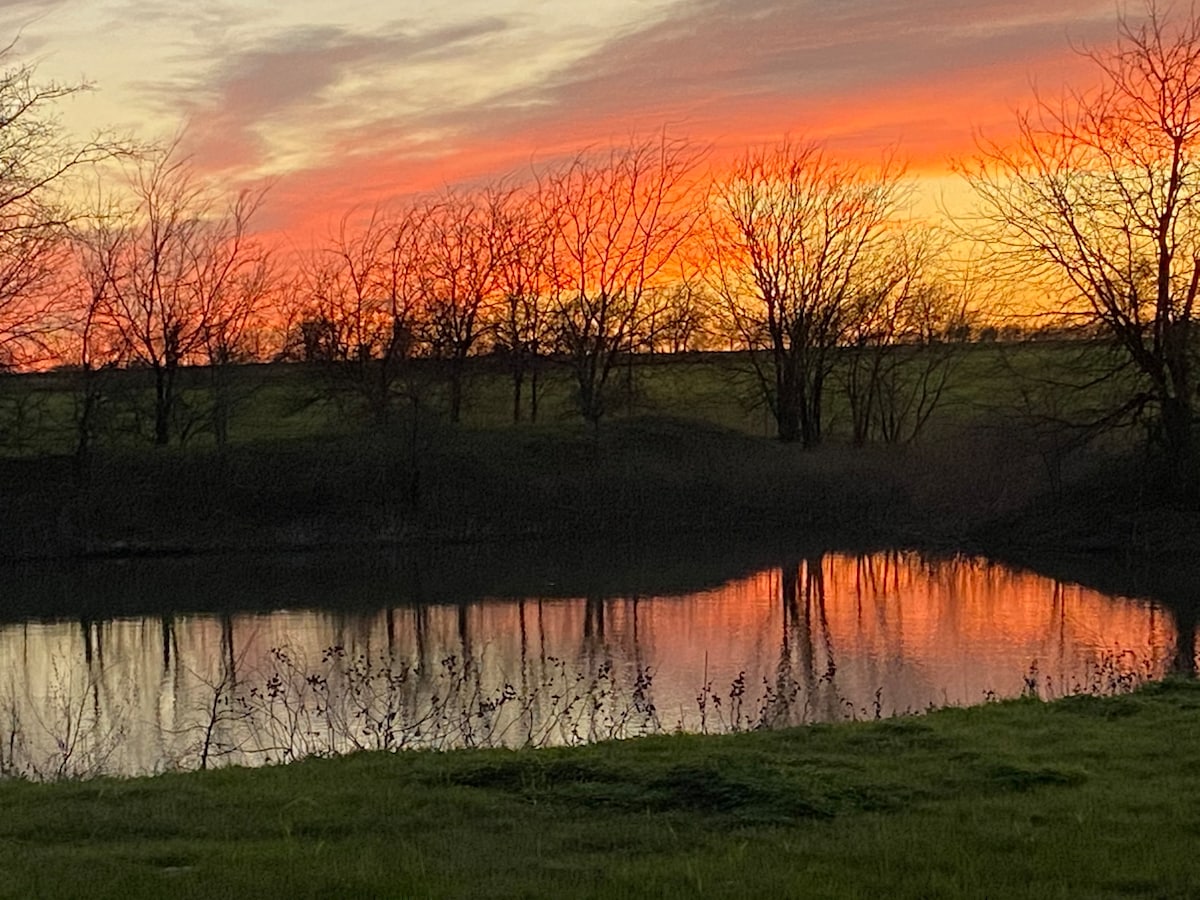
<point x="902" y="339"/>
<point x="793" y="233"/>
<point x="40" y="164"/>
<point x="183" y="277"/>
<point x="680" y="316"/>
<point x="89" y="342"/>
<point x="616" y="221"/>
<point x="1096" y="205"/>
<point x="234" y="274"/>
<point x="31" y="259"/>
<point x="522" y="319"/>
<point x="363" y="315"/>
<point x="460" y="254"/>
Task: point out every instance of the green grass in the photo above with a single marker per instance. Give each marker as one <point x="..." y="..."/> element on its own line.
<point x="286" y="401"/>
<point x="1085" y="797"/>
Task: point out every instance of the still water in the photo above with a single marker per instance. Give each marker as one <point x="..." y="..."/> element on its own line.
<point x="823" y="637"/>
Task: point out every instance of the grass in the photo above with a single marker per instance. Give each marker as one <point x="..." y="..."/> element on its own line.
<point x="283" y="401"/>
<point x="1085" y="797"/>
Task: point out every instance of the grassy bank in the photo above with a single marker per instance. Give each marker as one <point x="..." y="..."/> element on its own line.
<point x="39" y="412"/>
<point x="1083" y="797"/>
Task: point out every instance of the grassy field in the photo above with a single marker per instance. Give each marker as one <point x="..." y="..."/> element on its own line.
<point x="1085" y="797"/>
<point x="271" y="402"/>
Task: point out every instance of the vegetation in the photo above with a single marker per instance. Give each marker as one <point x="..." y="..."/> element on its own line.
<point x="812" y="269"/>
<point x="1082" y="797"/>
<point x="806" y="256"/>
<point x="811" y="266"/>
<point x="176" y="388"/>
<point x="686" y="457"/>
<point x="1096" y="203"/>
<point x="42" y="166"/>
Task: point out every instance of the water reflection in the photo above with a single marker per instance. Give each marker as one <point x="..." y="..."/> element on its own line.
<point x="822" y="637"/>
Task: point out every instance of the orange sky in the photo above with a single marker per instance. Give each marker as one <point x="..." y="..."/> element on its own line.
<point x="357" y="102"/>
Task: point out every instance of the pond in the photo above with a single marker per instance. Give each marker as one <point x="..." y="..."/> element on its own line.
<point x="234" y="663"/>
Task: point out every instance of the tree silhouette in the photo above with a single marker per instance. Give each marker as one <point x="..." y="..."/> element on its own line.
<point x="1097" y="203"/>
<point x="794" y="234"/>
<point x="615" y="222"/>
<point x="186" y="276"/>
<point x="39" y="160"/>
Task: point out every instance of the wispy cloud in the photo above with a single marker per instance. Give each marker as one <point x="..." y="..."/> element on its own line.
<point x="361" y="99"/>
<point x="713" y="59"/>
<point x="306" y="81"/>
<point x="914" y="74"/>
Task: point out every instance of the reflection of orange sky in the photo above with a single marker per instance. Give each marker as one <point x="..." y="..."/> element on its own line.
<point x="919" y="633"/>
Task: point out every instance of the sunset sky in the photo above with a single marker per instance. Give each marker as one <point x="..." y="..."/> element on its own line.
<point x="353" y="102"/>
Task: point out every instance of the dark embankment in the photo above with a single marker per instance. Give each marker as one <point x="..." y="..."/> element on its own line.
<point x="655" y="489"/>
<point x="372" y="576"/>
<point x="629" y="480"/>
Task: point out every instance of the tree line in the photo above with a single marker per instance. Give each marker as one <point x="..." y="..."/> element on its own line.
<point x="625" y="251"/>
<point x="814" y="266"/>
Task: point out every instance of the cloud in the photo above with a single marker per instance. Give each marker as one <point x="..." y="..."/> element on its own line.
<point x="359" y="117"/>
<point x="26" y="8"/>
<point x="314" y="80"/>
<point x="716" y="60"/>
<point x="19" y="17"/>
<point x="729" y="72"/>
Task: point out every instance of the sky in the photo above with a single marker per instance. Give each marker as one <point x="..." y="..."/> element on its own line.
<point x="351" y="102"/>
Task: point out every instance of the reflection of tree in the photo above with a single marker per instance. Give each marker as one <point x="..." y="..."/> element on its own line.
<point x="93" y="642"/>
<point x="1185" y="639"/>
<point x="559" y="656"/>
<point x="610" y="632"/>
<point x="638" y="657"/>
<point x="593" y="621"/>
<point x="879" y="575"/>
<point x="1058" y="613"/>
<point x="595" y="653"/>
<point x="170" y="642"/>
<point x="93" y="651"/>
<point x="228" y="658"/>
<point x="804" y="679"/>
<point x="524" y="645"/>
<point x="541" y="631"/>
<point x="464" y="631"/>
<point x="421" y="633"/>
